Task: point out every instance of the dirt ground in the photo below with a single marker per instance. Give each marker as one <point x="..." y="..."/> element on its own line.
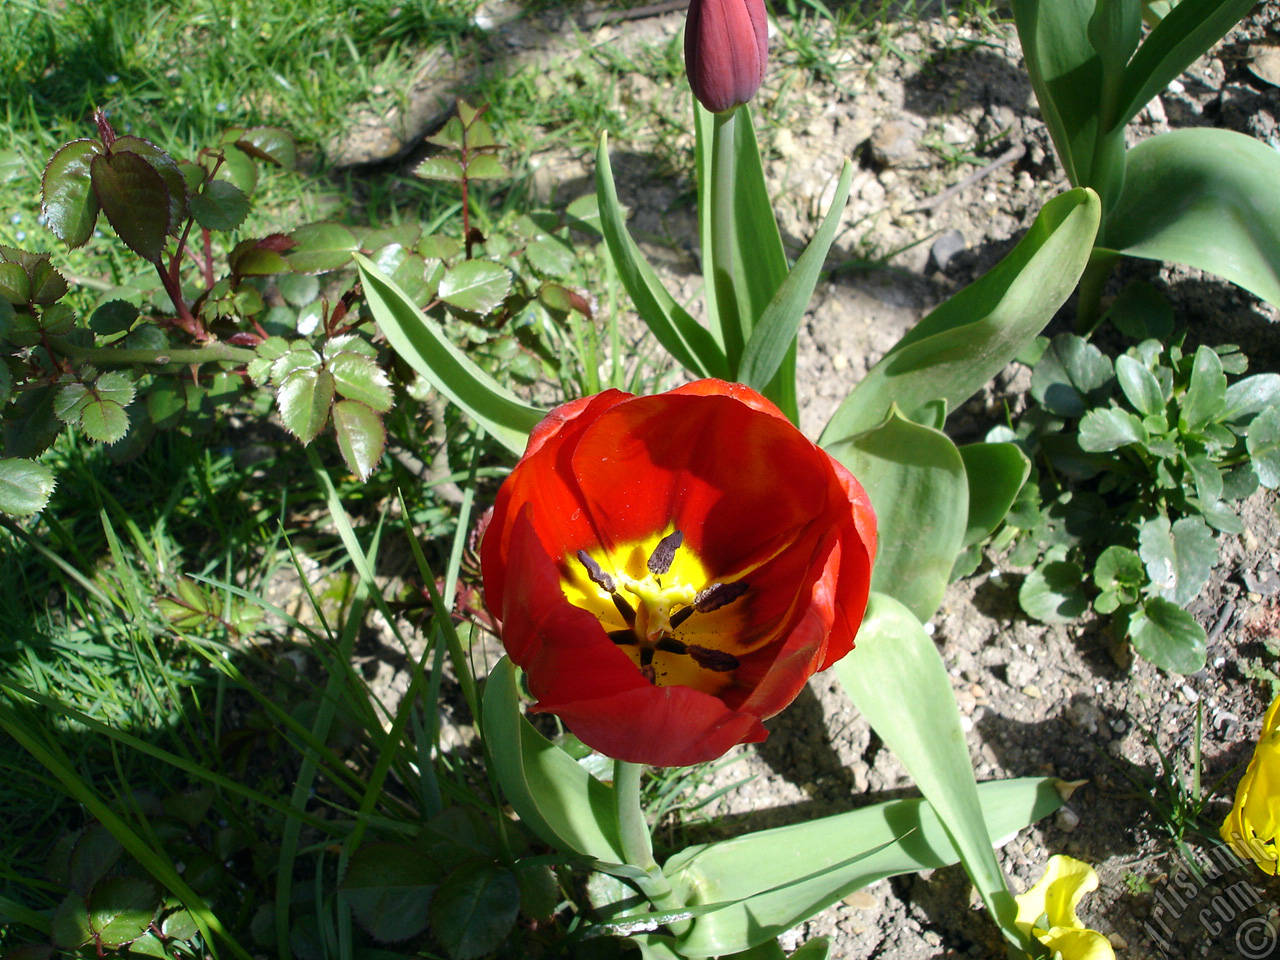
<point x="1035" y="700"/>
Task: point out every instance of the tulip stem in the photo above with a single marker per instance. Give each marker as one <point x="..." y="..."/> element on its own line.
<point x="637" y="843"/>
<point x="723" y="191"/>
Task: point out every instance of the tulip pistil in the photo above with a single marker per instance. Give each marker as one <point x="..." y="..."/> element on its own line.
<point x="653" y="611"/>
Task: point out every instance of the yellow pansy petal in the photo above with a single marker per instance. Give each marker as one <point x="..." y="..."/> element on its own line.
<point x="1056" y="894"/>
<point x="1271" y="722"/>
<point x="1253" y="825"/>
<point x="1076" y="944"/>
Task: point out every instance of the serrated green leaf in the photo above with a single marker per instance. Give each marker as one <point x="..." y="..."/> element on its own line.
<point x="305" y="397"/>
<point x="299" y="289"/>
<point x="238" y="167"/>
<point x="15" y="284"/>
<point x="25" y="487"/>
<point x="474" y="909"/>
<point x="1167" y="636"/>
<point x="178" y="924"/>
<point x="551" y="255"/>
<point x="168" y="169"/>
<point x="361" y="436"/>
<point x="299" y="356"/>
<point x="68" y="199"/>
<point x="321" y="246"/>
<point x="486" y="167"/>
<point x="1179" y="558"/>
<point x="121" y="909"/>
<point x="95" y="852"/>
<point x="439" y="168"/>
<point x="258" y="258"/>
<point x="1140" y="386"/>
<point x="221" y="205"/>
<point x="104" y="420"/>
<point x="114" y="316"/>
<point x="584" y="214"/>
<point x="6" y="383"/>
<point x="47" y="284"/>
<point x="477" y="286"/>
<point x="389" y="888"/>
<point x="1072" y="376"/>
<point x="1110" y="429"/>
<point x="1053" y="592"/>
<point x="539" y="890"/>
<point x="135" y="200"/>
<point x="71" y="928"/>
<point x="357" y="377"/>
<point x="271" y="144"/>
<point x="1264" y="447"/>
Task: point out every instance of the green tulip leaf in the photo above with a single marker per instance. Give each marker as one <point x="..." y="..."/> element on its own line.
<point x="897" y="680"/>
<point x="25" y="487"/>
<point x="815" y="864"/>
<point x="423" y="346"/>
<point x="319" y="247"/>
<point x="775" y="333"/>
<point x="135" y="199"/>
<point x="68" y="199"/>
<point x="361" y="436"/>
<point x="994" y="473"/>
<point x="556" y="797"/>
<point x="477" y="286"/>
<point x="389" y="887"/>
<point x="916" y="480"/>
<point x="1264" y="447"/>
<point x="1167" y="636"/>
<point x="963" y="343"/>
<point x="221" y="205"/>
<point x="474" y="909"/>
<point x="1054" y="592"/>
<point x="689" y="343"/>
<point x="1204" y="198"/>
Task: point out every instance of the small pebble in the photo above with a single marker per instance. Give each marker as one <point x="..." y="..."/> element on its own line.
<point x="1032" y="691"/>
<point x="1190" y="695"/>
<point x="1067" y="820"/>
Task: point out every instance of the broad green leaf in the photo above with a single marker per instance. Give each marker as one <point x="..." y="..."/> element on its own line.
<point x="299" y="289"/>
<point x="1264" y="447"/>
<point x="1167" y="636"/>
<point x="1053" y="592"/>
<point x="1119" y="567"/>
<point x="1141" y="312"/>
<point x="486" y="167"/>
<point x="1207" y="394"/>
<point x="104" y="421"/>
<point x="15" y="284"/>
<point x="304" y="398"/>
<point x="474" y="909"/>
<point x="552" y="255"/>
<point x="121" y="909"/>
<point x="47" y="284"/>
<point x="1186" y="32"/>
<point x="1204" y="198"/>
<point x="689" y="343"/>
<point x="897" y="680"/>
<point x="916" y="480"/>
<point x="238" y="168"/>
<point x="265" y="143"/>
<point x="1251" y="396"/>
<point x="71" y="927"/>
<point x="358" y="377"/>
<point x="6" y="383"/>
<point x="25" y="487"/>
<point x="1179" y="558"/>
<point x="114" y="316"/>
<point x="423" y="345"/>
<point x="477" y="286"/>
<point x="816" y="863"/>
<point x="994" y="474"/>
<point x="260" y="258"/>
<point x="1110" y="429"/>
<point x="169" y="172"/>
<point x="361" y="436"/>
<point x="320" y="247"/>
<point x="1140" y="386"/>
<point x="1072" y="376"/>
<point x="389" y="888"/>
<point x="68" y="199"/>
<point x="584" y="214"/>
<point x="555" y="797"/>
<point x="221" y="205"/>
<point x="298" y="356"/>
<point x="775" y="331"/>
<point x="135" y="200"/>
<point x="963" y="343"/>
<point x="439" y="168"/>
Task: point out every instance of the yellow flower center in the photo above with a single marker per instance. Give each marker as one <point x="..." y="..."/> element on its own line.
<point x="657" y="602"/>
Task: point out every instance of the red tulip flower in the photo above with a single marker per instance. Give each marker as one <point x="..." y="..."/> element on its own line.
<point x="669" y="570"/>
<point x="726" y="48"/>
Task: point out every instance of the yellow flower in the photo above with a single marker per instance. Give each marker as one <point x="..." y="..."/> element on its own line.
<point x="1048" y="911"/>
<point x="1254" y="821"/>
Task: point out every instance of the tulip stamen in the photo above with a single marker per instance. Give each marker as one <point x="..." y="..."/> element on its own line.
<point x="718" y="595"/>
<point x="715" y="660"/>
<point x="596" y="573"/>
<point x="664" y="553"/>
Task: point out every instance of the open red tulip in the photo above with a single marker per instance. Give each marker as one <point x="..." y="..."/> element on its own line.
<point x="669" y="570"/>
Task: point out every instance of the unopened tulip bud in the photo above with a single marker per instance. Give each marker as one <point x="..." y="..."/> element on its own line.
<point x="726" y="48"/>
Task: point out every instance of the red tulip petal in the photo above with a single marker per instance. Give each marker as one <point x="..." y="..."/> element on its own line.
<point x="661" y="726"/>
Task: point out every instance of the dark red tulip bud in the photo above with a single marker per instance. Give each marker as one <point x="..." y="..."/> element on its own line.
<point x="726" y="48"/>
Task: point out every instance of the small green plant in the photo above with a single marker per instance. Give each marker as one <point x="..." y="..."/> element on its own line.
<point x="1140" y="459"/>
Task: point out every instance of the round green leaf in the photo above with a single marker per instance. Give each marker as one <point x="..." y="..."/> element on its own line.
<point x="474" y="909"/>
<point x="321" y="246"/>
<point x="1119" y="567"/>
<point x="477" y="286"/>
<point x="266" y="143"/>
<point x="299" y="289"/>
<point x="121" y="909"/>
<point x="361" y="436"/>
<point x="1167" y="636"/>
<point x="1052" y="593"/>
<point x="1072" y="376"/>
<point x="439" y="168"/>
<point x="25" y="487"/>
<point x="221" y="205"/>
<point x="389" y="888"/>
<point x="1178" y="558"/>
<point x="69" y="202"/>
<point x="114" y="316"/>
<point x="135" y="199"/>
<point x="1251" y="396"/>
<point x="239" y="168"/>
<point x="104" y="421"/>
<point x="1264" y="447"/>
